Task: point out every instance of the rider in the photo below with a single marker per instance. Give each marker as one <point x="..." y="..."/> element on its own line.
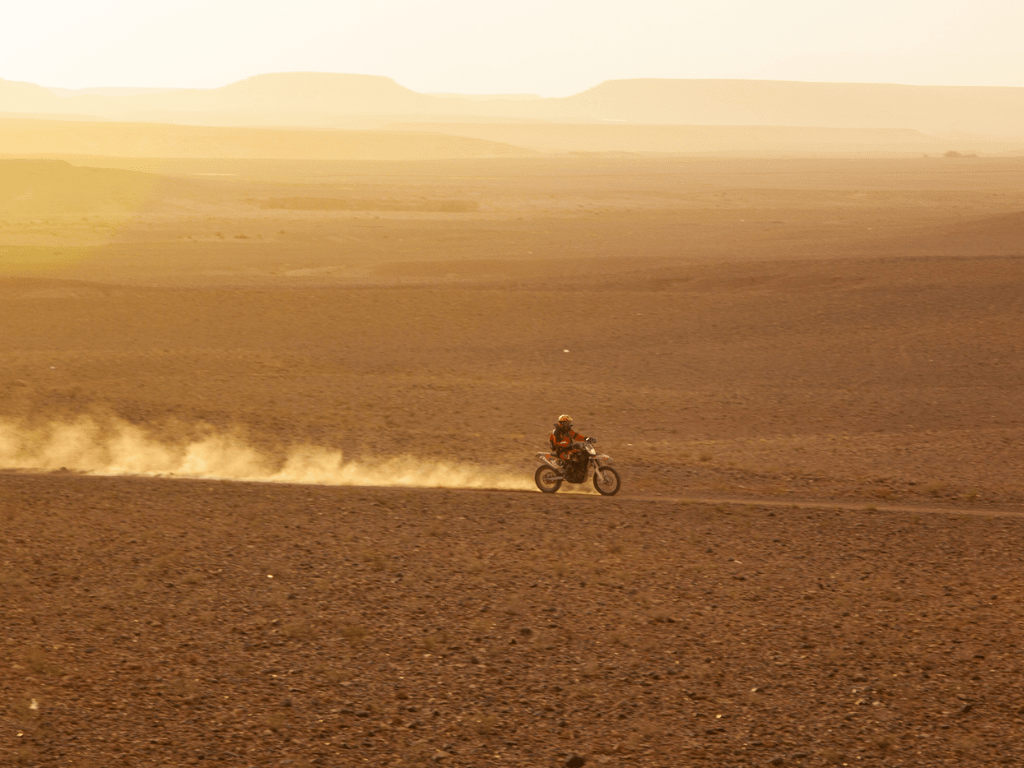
<point x="563" y="440"/>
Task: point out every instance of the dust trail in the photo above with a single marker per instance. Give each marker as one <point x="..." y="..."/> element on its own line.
<point x="112" y="447"/>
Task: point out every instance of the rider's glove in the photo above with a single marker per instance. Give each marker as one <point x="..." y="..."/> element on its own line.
<point x="590" y="440"/>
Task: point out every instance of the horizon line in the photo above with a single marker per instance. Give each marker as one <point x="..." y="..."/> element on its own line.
<point x="499" y="94"/>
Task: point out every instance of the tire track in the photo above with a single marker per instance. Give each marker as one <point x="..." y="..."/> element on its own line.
<point x="859" y="506"/>
<point x="592" y="496"/>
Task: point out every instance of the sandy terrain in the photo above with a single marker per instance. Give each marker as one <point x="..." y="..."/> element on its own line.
<point x="173" y="622"/>
<point x="838" y="332"/>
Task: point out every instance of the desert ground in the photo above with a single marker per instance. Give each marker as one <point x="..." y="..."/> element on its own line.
<point x="807" y="370"/>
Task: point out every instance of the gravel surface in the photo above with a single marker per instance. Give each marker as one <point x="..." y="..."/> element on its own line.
<point x="155" y="622"/>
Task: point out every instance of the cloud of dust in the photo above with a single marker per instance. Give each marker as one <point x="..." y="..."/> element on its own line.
<point x="119" y="448"/>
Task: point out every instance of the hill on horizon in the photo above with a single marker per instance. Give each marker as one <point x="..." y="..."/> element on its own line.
<point x="322" y="100"/>
<point x="986" y="111"/>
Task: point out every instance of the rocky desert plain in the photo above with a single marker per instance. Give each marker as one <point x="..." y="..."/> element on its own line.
<point x="268" y="412"/>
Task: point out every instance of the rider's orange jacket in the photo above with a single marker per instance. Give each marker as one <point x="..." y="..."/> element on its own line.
<point x="562" y="439"/>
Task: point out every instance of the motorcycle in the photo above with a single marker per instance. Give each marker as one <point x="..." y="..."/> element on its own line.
<point x="552" y="471"/>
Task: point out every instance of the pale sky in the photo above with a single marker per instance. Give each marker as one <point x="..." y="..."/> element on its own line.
<point x="547" y="47"/>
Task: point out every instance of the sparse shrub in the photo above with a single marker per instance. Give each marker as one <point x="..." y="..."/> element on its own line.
<point x="649" y="644"/>
<point x="26" y="708"/>
<point x="833" y="757"/>
<point x="650" y="731"/>
<point x="485" y="725"/>
<point x="333" y="676"/>
<point x="966" y="744"/>
<point x="515" y="607"/>
<point x="375" y="560"/>
<point x="618" y="637"/>
<point x="883" y="742"/>
<point x="547" y="641"/>
<point x="353" y="632"/>
<point x="275" y="721"/>
<point x="182" y="686"/>
<point x="164" y="563"/>
<point x="434" y="641"/>
<point x="832" y="655"/>
<point x="661" y="616"/>
<point x="297" y="630"/>
<point x="36" y="661"/>
<point x="702" y="672"/>
<point x="706" y="457"/>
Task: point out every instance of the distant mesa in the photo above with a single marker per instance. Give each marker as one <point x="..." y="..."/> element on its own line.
<point x="640" y="115"/>
<point x="258" y="100"/>
<point x="488" y="96"/>
<point x="317" y="99"/>
<point x="298" y="92"/>
<point x="984" y="110"/>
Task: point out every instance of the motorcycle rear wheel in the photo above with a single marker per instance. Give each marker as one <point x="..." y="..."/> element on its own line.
<point x="547" y="479"/>
<point x="606" y="481"/>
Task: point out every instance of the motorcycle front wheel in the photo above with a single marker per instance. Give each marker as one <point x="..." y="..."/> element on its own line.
<point x="606" y="481"/>
<point x="547" y="479"/>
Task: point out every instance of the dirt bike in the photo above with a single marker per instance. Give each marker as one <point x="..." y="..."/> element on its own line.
<point x="552" y="471"/>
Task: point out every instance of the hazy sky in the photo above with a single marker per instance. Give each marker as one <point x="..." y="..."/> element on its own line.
<point x="549" y="47"/>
